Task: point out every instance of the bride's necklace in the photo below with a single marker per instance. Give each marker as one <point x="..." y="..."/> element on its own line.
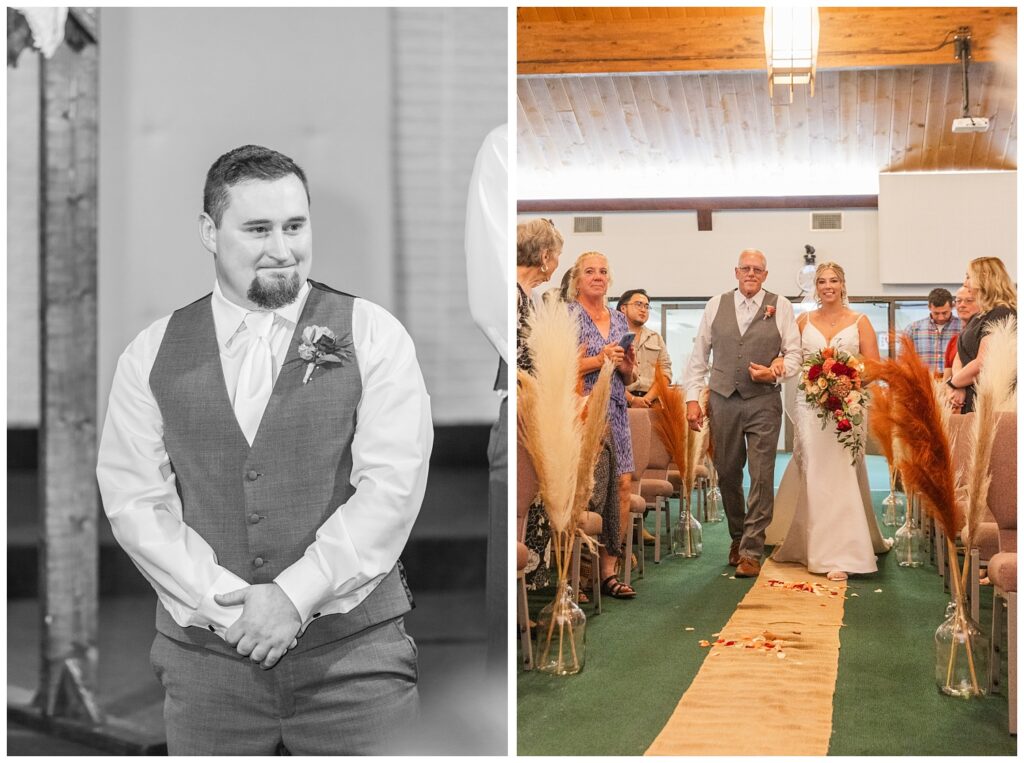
<point x="831" y="321"/>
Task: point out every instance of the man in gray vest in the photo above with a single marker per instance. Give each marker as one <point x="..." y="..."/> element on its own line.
<point x="756" y="343"/>
<point x="263" y="460"/>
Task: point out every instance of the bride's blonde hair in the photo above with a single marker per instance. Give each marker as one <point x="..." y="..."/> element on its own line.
<point x="838" y="269"/>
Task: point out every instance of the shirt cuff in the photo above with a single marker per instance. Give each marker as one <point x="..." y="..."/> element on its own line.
<point x="213" y="616"/>
<point x="305" y="585"/>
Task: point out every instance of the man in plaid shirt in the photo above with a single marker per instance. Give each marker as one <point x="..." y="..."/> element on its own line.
<point x="931" y="335"/>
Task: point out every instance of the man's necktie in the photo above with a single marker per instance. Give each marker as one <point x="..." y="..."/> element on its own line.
<point x="256" y="376"/>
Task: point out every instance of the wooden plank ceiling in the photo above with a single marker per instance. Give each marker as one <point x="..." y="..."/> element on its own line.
<point x="647" y="88"/>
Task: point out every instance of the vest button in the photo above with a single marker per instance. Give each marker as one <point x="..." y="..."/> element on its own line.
<point x="316" y="614"/>
<point x="251" y="475"/>
<point x="254" y="518"/>
<point x="211" y="629"/>
<point x="257" y="562"/>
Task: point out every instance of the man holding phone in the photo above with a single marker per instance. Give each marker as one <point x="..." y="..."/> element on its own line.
<point x="648" y="346"/>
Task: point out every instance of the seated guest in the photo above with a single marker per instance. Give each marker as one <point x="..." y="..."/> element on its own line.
<point x="931" y="335"/>
<point x="601" y="330"/>
<point x="538" y="247"/>
<point x="966" y="308"/>
<point x="996" y="296"/>
<point x="648" y="347"/>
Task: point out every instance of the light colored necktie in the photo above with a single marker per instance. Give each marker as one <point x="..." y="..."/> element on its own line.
<point x="748" y="315"/>
<point x="256" y="376"/>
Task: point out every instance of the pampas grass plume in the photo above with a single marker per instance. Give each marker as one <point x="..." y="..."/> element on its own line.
<point x="551" y="429"/>
<point x="927" y="464"/>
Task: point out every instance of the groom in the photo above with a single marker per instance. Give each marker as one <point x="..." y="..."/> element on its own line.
<point x="263" y="460"/>
<point x="756" y="343"/>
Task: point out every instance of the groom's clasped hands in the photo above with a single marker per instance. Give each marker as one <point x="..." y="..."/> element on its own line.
<point x="268" y="626"/>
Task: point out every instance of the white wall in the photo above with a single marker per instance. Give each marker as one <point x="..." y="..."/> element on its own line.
<point x="179" y="87"/>
<point x="664" y="252"/>
<point x="947" y="216"/>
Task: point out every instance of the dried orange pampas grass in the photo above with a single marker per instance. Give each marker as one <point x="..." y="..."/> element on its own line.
<point x="880" y="422"/>
<point x="927" y="464"/>
<point x="549" y="409"/>
<point x="685" y="446"/>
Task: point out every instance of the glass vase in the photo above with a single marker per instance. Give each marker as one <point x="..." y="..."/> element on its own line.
<point x="909" y="545"/>
<point x="895" y="512"/>
<point x="961" y="655"/>
<point x="713" y="507"/>
<point x="561" y="635"/>
<point x="687" y="537"/>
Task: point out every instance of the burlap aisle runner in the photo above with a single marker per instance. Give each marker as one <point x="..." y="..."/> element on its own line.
<point x="749" y="701"/>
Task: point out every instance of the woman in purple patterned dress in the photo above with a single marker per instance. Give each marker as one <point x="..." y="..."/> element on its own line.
<point x="601" y="329"/>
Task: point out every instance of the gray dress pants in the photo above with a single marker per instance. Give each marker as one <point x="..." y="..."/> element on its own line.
<point x="746" y="431"/>
<point x="347" y="697"/>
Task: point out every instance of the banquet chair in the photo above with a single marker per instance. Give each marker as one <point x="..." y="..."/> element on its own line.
<point x="526" y="489"/>
<point x="656" y="488"/>
<point x="640" y="435"/>
<point x="590" y="523"/>
<point x="1002" y="569"/>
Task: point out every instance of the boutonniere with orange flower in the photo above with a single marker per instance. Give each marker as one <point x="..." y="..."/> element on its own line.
<point x="319" y="346"/>
<point x="769" y="312"/>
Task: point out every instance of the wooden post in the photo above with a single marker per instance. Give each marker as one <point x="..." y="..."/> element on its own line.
<point x="67" y="459"/>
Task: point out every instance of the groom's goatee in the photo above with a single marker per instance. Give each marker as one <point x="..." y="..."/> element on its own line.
<point x="273" y="293"/>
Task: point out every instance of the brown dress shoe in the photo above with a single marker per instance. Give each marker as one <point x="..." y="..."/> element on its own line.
<point x="748" y="567"/>
<point x="734" y="553"/>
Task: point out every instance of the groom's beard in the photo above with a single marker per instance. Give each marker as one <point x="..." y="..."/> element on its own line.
<point x="272" y="293"/>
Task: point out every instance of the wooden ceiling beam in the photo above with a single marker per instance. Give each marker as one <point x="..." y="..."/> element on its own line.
<point x="716" y="41"/>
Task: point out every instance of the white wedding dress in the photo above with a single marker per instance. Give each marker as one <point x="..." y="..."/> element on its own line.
<point x="833" y="524"/>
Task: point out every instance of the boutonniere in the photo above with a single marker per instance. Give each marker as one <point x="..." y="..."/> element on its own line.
<point x="769" y="312"/>
<point x="320" y="346"/>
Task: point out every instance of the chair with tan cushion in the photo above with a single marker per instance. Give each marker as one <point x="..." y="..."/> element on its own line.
<point x="656" y="489"/>
<point x="1002" y="567"/>
<point x="592" y="524"/>
<point x="640" y="435"/>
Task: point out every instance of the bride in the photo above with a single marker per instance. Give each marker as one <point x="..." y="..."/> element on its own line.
<point x="834" y="529"/>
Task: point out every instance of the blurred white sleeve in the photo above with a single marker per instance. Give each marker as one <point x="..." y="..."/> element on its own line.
<point x="487" y="240"/>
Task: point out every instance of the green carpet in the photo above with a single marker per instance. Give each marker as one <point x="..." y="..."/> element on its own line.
<point x="640" y="659"/>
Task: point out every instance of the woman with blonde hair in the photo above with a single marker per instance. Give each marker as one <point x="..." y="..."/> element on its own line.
<point x="601" y="332"/>
<point x="834" y="529"/>
<point x="996" y="297"/>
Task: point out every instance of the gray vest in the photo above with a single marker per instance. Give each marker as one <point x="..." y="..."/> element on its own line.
<point x="259" y="507"/>
<point x="734" y="352"/>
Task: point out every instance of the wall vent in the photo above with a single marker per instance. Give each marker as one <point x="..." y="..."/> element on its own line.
<point x="590" y="224"/>
<point x="826" y="220"/>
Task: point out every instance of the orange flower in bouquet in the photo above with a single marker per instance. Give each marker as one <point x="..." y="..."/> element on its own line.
<point x="832" y="381"/>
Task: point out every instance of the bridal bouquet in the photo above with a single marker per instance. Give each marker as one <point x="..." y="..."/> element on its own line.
<point x="832" y="382"/>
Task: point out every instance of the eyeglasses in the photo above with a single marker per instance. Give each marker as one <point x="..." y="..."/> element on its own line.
<point x="750" y="269"/>
<point x="639" y="305"/>
<point x="959" y="301"/>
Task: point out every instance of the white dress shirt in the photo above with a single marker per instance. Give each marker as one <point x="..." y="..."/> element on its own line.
<point x="487" y="240"/>
<point x="695" y="376"/>
<point x="357" y="545"/>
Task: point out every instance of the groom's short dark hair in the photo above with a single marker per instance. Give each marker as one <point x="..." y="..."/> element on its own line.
<point x="241" y="164"/>
<point x="939" y="297"/>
